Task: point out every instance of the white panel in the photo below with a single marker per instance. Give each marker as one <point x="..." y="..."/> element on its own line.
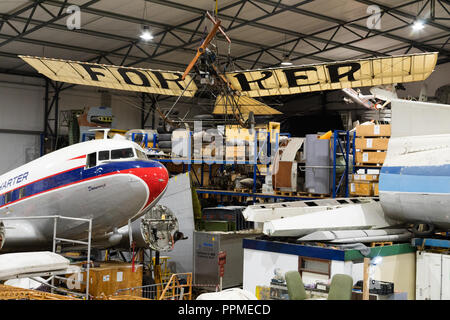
<point x="434" y="266"/>
<point x="357" y="272"/>
<point x="343" y="267"/>
<point x="21" y="107"/>
<point x="259" y="267"/>
<point x="445" y="277"/>
<point x="428" y="276"/>
<point x="422" y="280"/>
<point x="17" y="149"/>
<point x="409" y="118"/>
<point x="178" y="198"/>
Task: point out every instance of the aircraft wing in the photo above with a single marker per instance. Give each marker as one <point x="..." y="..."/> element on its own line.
<point x="252" y="83"/>
<point x="331" y="76"/>
<point x="114" y="77"/>
<point x="246" y="105"/>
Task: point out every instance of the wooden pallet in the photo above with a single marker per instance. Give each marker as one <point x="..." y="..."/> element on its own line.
<point x="16" y="293"/>
<point x="381" y="244"/>
<point x="285" y="193"/>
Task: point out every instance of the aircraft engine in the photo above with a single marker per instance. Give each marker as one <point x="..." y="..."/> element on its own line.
<point x="159" y="228"/>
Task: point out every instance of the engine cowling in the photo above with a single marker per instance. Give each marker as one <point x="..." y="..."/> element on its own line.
<point x="160" y="229"/>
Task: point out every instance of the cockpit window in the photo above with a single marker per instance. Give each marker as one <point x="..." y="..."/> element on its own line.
<point x="91" y="160"/>
<point x="103" y="155"/>
<point x="122" y="153"/>
<point x="140" y="154"/>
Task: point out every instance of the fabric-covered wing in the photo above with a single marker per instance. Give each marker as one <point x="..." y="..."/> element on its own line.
<point x="331" y="76"/>
<point x="114" y="77"/>
<point x="246" y="104"/>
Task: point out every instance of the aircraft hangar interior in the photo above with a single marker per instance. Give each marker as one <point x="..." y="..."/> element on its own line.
<point x="225" y="150"/>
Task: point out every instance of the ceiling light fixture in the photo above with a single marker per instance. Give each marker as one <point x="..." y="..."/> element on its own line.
<point x="286" y="61"/>
<point x="146" y="35"/>
<point x="418" y="25"/>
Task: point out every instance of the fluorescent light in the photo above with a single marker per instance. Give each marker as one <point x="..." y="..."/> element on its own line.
<point x="418" y="25"/>
<point x="146" y="35"/>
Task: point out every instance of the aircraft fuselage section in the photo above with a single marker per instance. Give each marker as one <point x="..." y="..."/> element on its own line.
<point x="110" y="193"/>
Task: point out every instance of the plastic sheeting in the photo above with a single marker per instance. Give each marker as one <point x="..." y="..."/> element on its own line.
<point x="14" y="264"/>
<point x="229" y="294"/>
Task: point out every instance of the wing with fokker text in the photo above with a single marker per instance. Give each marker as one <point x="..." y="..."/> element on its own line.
<point x="335" y="75"/>
<point x="114" y="77"/>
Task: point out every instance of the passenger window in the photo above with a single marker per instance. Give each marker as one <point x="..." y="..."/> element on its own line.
<point x="103" y="155"/>
<point x="7" y="197"/>
<point x="91" y="160"/>
<point x="22" y="193"/>
<point x="122" y="153"/>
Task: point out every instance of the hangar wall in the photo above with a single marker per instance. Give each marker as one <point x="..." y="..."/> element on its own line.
<point x="24" y="112"/>
<point x="437" y="79"/>
<point x="22" y="109"/>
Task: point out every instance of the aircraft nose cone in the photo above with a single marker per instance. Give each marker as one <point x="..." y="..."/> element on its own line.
<point x="156" y="178"/>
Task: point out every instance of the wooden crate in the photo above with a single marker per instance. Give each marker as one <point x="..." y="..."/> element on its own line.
<point x="361" y="188"/>
<point x="365" y="177"/>
<point x="371" y="143"/>
<point x="370" y="157"/>
<point x="372" y="130"/>
<point x="109" y="277"/>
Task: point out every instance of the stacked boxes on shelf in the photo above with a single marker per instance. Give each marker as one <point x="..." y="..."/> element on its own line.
<point x="364" y="185"/>
<point x="371" y="145"/>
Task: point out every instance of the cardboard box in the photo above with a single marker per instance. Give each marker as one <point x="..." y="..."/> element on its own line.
<point x="361" y="188"/>
<point x="236" y="153"/>
<point x="365" y="177"/>
<point x="371" y="143"/>
<point x="370" y="157"/>
<point x="372" y="130"/>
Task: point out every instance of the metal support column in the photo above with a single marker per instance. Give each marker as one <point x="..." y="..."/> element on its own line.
<point x="51" y="124"/>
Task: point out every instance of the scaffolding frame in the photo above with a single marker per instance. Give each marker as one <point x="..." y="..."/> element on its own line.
<point x="54" y="274"/>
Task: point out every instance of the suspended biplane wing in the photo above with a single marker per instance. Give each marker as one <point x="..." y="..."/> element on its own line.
<point x="224" y="105"/>
<point x="331" y="76"/>
<point x="252" y="83"/>
<point x="114" y="77"/>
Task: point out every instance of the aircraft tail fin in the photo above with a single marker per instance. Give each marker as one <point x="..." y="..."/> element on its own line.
<point x="414" y="118"/>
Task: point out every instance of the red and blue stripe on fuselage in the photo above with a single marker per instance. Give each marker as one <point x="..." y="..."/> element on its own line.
<point x="153" y="173"/>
